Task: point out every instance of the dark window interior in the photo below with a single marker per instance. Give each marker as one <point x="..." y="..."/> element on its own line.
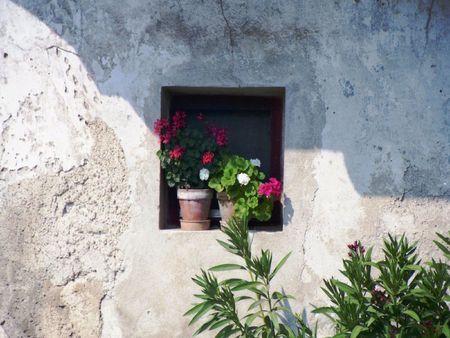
<point x="254" y="119"/>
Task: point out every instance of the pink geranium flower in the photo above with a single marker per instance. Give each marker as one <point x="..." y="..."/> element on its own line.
<point x="270" y="189"/>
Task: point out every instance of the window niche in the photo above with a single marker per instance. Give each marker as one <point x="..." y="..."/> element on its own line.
<point x="254" y="119"/>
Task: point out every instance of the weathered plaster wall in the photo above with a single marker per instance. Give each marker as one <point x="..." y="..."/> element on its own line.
<point x="367" y="132"/>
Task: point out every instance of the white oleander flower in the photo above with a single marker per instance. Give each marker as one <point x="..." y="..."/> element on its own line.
<point x="256" y="162"/>
<point x="204" y="174"/>
<point x="243" y="178"/>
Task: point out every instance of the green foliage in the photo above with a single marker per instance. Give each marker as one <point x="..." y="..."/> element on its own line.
<point x="394" y="297"/>
<point x="247" y="202"/>
<point x="184" y="172"/>
<point x="195" y="139"/>
<point x="266" y="309"/>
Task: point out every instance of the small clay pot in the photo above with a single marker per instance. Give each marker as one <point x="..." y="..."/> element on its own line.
<point x="194" y="205"/>
<point x="226" y="206"/>
<point x="195" y="225"/>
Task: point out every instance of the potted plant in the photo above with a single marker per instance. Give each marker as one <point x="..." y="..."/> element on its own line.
<point x="188" y="153"/>
<point x="241" y="190"/>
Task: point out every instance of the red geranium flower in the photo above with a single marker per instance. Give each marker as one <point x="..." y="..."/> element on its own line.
<point x="207" y="157"/>
<point x="179" y="120"/>
<point x="220" y="135"/>
<point x="176" y="152"/>
<point x="165" y="138"/>
<point x="162" y="129"/>
<point x="160" y="124"/>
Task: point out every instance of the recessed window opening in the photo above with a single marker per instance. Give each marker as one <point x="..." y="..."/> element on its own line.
<point x="254" y="119"/>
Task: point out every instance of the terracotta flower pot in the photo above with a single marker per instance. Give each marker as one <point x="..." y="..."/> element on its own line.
<point x="194" y="206"/>
<point x="226" y="206"/>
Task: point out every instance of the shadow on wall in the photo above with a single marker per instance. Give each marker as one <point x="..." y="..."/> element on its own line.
<point x="368" y="81"/>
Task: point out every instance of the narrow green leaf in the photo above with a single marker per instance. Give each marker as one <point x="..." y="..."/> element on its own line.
<point x="252" y="317"/>
<point x="413" y="267"/>
<point x="274" y="318"/>
<point x="325" y="309"/>
<point x="258" y="292"/>
<point x="219" y="324"/>
<point x="370" y="321"/>
<point x="225" y="332"/>
<point x="279" y="266"/>
<point x="442" y="247"/>
<point x="226" y="267"/>
<point x="193" y="309"/>
<point x="205" y="326"/>
<point x="343" y="287"/>
<point x="281" y="308"/>
<point x="356" y="331"/>
<point x="277" y="295"/>
<point x="245" y="285"/>
<point x="205" y="308"/>
<point x="232" y="282"/>
<point x="444" y="238"/>
<point x="256" y="303"/>
<point x="412" y="314"/>
<point x="446" y="330"/>
<point x="373" y="264"/>
<point x="287" y="331"/>
<point x="238" y="299"/>
<point x="372" y="310"/>
<point x="227" y="246"/>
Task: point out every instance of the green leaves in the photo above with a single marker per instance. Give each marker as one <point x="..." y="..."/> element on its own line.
<point x="356" y="331"/>
<point x="247" y="202"/>
<point x="225" y="267"/>
<point x="395" y="295"/>
<point x="279" y="266"/>
<point x="265" y="311"/>
<point x="446" y="330"/>
<point x="444" y="245"/>
<point x="214" y="183"/>
<point x="181" y="169"/>
<point x="343" y="287"/>
<point x="412" y="314"/>
<point x="263" y="211"/>
<point x="201" y="311"/>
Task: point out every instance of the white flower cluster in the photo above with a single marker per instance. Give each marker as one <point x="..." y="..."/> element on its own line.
<point x="243" y="178"/>
<point x="204" y="174"/>
<point x="256" y="162"/>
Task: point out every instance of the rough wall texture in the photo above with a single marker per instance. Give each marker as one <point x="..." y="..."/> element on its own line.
<point x="366" y="146"/>
<point x="60" y="244"/>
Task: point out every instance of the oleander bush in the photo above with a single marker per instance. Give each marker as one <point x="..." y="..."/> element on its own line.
<point x="219" y="299"/>
<point x="395" y="297"/>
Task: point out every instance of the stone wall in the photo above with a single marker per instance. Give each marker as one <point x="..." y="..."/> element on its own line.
<point x="366" y="147"/>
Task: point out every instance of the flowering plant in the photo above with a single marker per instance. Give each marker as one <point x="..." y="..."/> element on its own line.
<point x="242" y="181"/>
<point x="396" y="296"/>
<point x="189" y="151"/>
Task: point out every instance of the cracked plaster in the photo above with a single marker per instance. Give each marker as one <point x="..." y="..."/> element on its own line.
<point x="366" y="141"/>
